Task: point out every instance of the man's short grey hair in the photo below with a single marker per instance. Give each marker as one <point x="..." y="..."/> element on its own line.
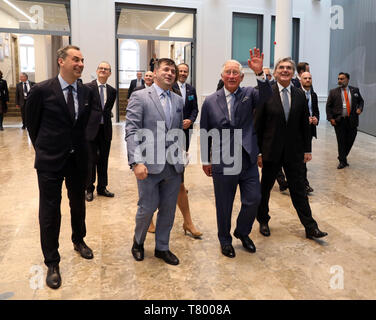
<point x="287" y="59"/>
<point x="105" y="63"/>
<point x="233" y="61"/>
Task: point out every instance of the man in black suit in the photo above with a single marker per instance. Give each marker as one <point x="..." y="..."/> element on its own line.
<point x="22" y="92"/>
<point x="314" y="114"/>
<point x="343" y="107"/>
<point x="57" y="112"/>
<point x="284" y="140"/>
<point x="99" y="131"/>
<point x="135" y="83"/>
<point x="148" y="81"/>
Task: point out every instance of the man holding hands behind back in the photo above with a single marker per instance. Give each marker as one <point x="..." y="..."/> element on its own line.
<point x="57" y="112"/>
<point x="229" y="111"/>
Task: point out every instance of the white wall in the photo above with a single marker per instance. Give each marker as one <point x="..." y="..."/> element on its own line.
<point x="94" y="32"/>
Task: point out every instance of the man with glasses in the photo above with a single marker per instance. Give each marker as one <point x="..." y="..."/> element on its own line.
<point x="99" y="132"/>
<point x="284" y="139"/>
<point x="343" y="107"/>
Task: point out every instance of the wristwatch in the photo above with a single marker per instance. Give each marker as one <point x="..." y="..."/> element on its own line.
<point x="132" y="165"/>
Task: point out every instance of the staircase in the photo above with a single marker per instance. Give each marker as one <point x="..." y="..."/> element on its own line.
<point x="12" y="110"/>
<point x="123" y="102"/>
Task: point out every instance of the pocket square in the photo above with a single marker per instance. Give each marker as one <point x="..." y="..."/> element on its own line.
<point x="245" y="99"/>
<point x="191" y="97"/>
<point x="356" y="95"/>
<point x="178" y="110"/>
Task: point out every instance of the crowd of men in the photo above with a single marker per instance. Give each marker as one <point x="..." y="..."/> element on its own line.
<point x="269" y="127"/>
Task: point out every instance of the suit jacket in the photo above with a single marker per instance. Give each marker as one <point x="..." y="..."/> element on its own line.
<point x="20" y="99"/>
<point x="133" y="85"/>
<point x="215" y="115"/>
<point x="334" y="105"/>
<point x="280" y="140"/>
<point x="97" y="112"/>
<point x="145" y="111"/>
<point x="190" y="110"/>
<point x="296" y="82"/>
<point x="315" y="112"/>
<point x="53" y="132"/>
<point x="4" y="96"/>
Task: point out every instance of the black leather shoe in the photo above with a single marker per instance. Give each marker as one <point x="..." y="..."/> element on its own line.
<point x="84" y="250"/>
<point x="89" y="196"/>
<point x="247" y="242"/>
<point x="138" y="251"/>
<point x="53" y="279"/>
<point x="309" y="189"/>
<point x="341" y="165"/>
<point x="167" y="256"/>
<point x="264" y="229"/>
<point x="315" y="233"/>
<point x="105" y="193"/>
<point x="228" y="250"/>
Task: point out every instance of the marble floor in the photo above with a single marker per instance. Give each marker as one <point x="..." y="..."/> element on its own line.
<point x="286" y="265"/>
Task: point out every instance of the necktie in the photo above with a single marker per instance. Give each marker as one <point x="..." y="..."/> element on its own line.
<point x="347" y="101"/>
<point x="101" y="94"/>
<point x="285" y="103"/>
<point x="308" y="95"/>
<point x="167" y="107"/>
<point x="70" y="102"/>
<point x="25" y="89"/>
<point x="232" y="108"/>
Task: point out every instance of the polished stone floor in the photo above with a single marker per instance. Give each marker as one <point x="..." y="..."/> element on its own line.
<point x="285" y="266"/>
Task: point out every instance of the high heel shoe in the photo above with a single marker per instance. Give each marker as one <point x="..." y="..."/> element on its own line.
<point x="195" y="233"/>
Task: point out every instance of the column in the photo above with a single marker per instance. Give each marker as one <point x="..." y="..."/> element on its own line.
<point x="283" y="29"/>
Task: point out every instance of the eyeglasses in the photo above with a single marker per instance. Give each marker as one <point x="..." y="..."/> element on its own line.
<point x="103" y="69"/>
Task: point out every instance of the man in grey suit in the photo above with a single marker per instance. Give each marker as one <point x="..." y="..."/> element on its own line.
<point x="153" y="116"/>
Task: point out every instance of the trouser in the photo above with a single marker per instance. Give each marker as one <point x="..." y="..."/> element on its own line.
<point x="50" y="186"/>
<point x="295" y="180"/>
<point x="346" y="135"/>
<point x="157" y="191"/>
<point x="99" y="151"/>
<point x="225" y="189"/>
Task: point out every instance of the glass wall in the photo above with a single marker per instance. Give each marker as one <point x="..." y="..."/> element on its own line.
<point x="246" y="33"/>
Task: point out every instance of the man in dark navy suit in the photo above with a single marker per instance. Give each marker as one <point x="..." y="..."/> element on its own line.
<point x="57" y="112"/>
<point x="99" y="131"/>
<point x="229" y="149"/>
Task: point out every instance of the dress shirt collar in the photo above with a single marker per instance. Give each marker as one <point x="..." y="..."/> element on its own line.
<point x="159" y="89"/>
<point x="101" y="84"/>
<point x="65" y="84"/>
<point x="227" y="93"/>
<point x="280" y="87"/>
<point x="181" y="84"/>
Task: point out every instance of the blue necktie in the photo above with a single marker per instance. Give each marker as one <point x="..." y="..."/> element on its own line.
<point x="101" y="94"/>
<point x="285" y="103"/>
<point x="308" y="95"/>
<point x="232" y="108"/>
<point x="167" y="107"/>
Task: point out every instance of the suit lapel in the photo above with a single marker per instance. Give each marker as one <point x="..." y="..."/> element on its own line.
<point x="80" y="95"/>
